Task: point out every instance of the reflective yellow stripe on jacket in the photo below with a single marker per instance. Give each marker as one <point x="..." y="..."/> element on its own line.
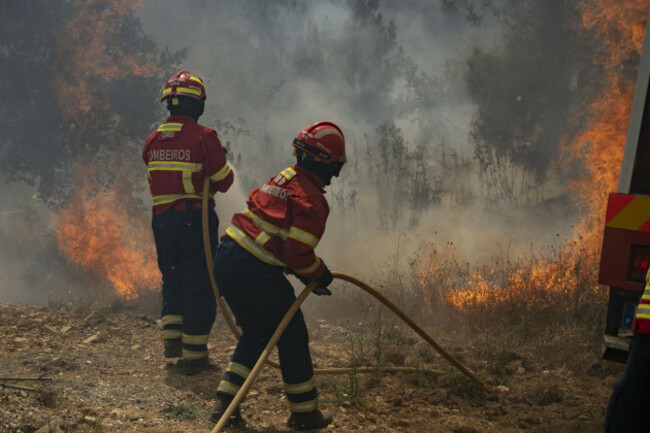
<point x="253" y="247"/>
<point x="221" y="174"/>
<point x="168" y="198"/>
<point x="293" y="232"/>
<point x="175" y="127"/>
<point x="193" y="167"/>
<point x="186" y="169"/>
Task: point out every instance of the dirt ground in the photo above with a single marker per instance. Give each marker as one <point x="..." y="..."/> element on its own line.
<point x="108" y="374"/>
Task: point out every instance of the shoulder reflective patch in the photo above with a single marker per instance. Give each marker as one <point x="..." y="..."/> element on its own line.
<point x="170" y="127"/>
<point x="288" y="173"/>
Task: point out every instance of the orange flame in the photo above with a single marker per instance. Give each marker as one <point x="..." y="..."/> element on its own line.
<point x="87" y="60"/>
<point x="92" y="231"/>
<point x="620" y="28"/>
<point x="97" y="234"/>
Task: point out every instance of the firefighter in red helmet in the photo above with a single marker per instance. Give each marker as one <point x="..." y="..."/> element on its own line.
<point x="277" y="233"/>
<point x="179" y="155"/>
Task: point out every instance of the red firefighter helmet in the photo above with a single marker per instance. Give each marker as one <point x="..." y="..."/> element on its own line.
<point x="324" y="140"/>
<point x="183" y="83"/>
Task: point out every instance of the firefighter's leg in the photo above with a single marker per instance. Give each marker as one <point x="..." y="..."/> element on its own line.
<point x="169" y="259"/>
<point x="630" y="399"/>
<point x="298" y="372"/>
<point x="199" y="301"/>
<point x="259" y="296"/>
<point x="239" y="276"/>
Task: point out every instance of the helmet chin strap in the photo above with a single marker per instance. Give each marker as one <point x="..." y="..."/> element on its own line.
<point x="185" y="106"/>
<point x="322" y="170"/>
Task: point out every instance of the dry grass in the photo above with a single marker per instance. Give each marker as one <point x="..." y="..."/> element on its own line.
<point x="546" y="307"/>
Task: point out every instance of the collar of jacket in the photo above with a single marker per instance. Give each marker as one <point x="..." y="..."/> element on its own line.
<point x="311" y="176"/>
<point x="178" y="118"/>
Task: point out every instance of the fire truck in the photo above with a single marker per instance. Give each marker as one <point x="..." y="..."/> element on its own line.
<point x="625" y="254"/>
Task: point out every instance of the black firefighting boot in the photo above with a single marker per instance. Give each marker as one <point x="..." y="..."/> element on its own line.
<point x="173" y="348"/>
<point x="309" y="420"/>
<point x="194" y="366"/>
<point x="219" y="409"/>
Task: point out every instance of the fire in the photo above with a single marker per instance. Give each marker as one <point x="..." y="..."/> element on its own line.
<point x="100" y="228"/>
<point x="87" y="60"/>
<point x="95" y="232"/>
<point x="620" y="28"/>
<point x="539" y="281"/>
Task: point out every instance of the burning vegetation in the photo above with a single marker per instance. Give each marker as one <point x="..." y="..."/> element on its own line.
<point x="93" y="78"/>
<point x="100" y="72"/>
<point x="566" y="275"/>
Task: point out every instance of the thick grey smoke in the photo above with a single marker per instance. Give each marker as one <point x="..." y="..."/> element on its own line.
<point x="421" y="89"/>
<point x="445" y="106"/>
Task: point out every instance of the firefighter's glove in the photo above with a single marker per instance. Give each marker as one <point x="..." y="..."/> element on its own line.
<point x="322" y="282"/>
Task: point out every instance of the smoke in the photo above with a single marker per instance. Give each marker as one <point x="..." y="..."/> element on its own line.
<point x="450" y="108"/>
<point x="453" y="111"/>
<point x="32" y="269"/>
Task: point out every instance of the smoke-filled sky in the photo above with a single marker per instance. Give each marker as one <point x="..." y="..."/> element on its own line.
<point x="438" y="73"/>
<point x="455" y="113"/>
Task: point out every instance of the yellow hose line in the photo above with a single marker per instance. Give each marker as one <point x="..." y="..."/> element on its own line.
<point x="381" y="298"/>
<point x="207" y="246"/>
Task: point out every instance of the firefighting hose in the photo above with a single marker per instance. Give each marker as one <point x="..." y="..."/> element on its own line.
<point x="289" y="315"/>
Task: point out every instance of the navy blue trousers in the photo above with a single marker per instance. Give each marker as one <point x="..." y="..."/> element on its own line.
<point x="188" y="303"/>
<point x="629" y="403"/>
<point x="259" y="296"/>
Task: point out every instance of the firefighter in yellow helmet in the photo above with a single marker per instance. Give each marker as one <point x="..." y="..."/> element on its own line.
<point x="179" y="155"/>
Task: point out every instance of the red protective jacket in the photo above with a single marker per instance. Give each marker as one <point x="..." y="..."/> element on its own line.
<point x="284" y="221"/>
<point x="178" y="155"/>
